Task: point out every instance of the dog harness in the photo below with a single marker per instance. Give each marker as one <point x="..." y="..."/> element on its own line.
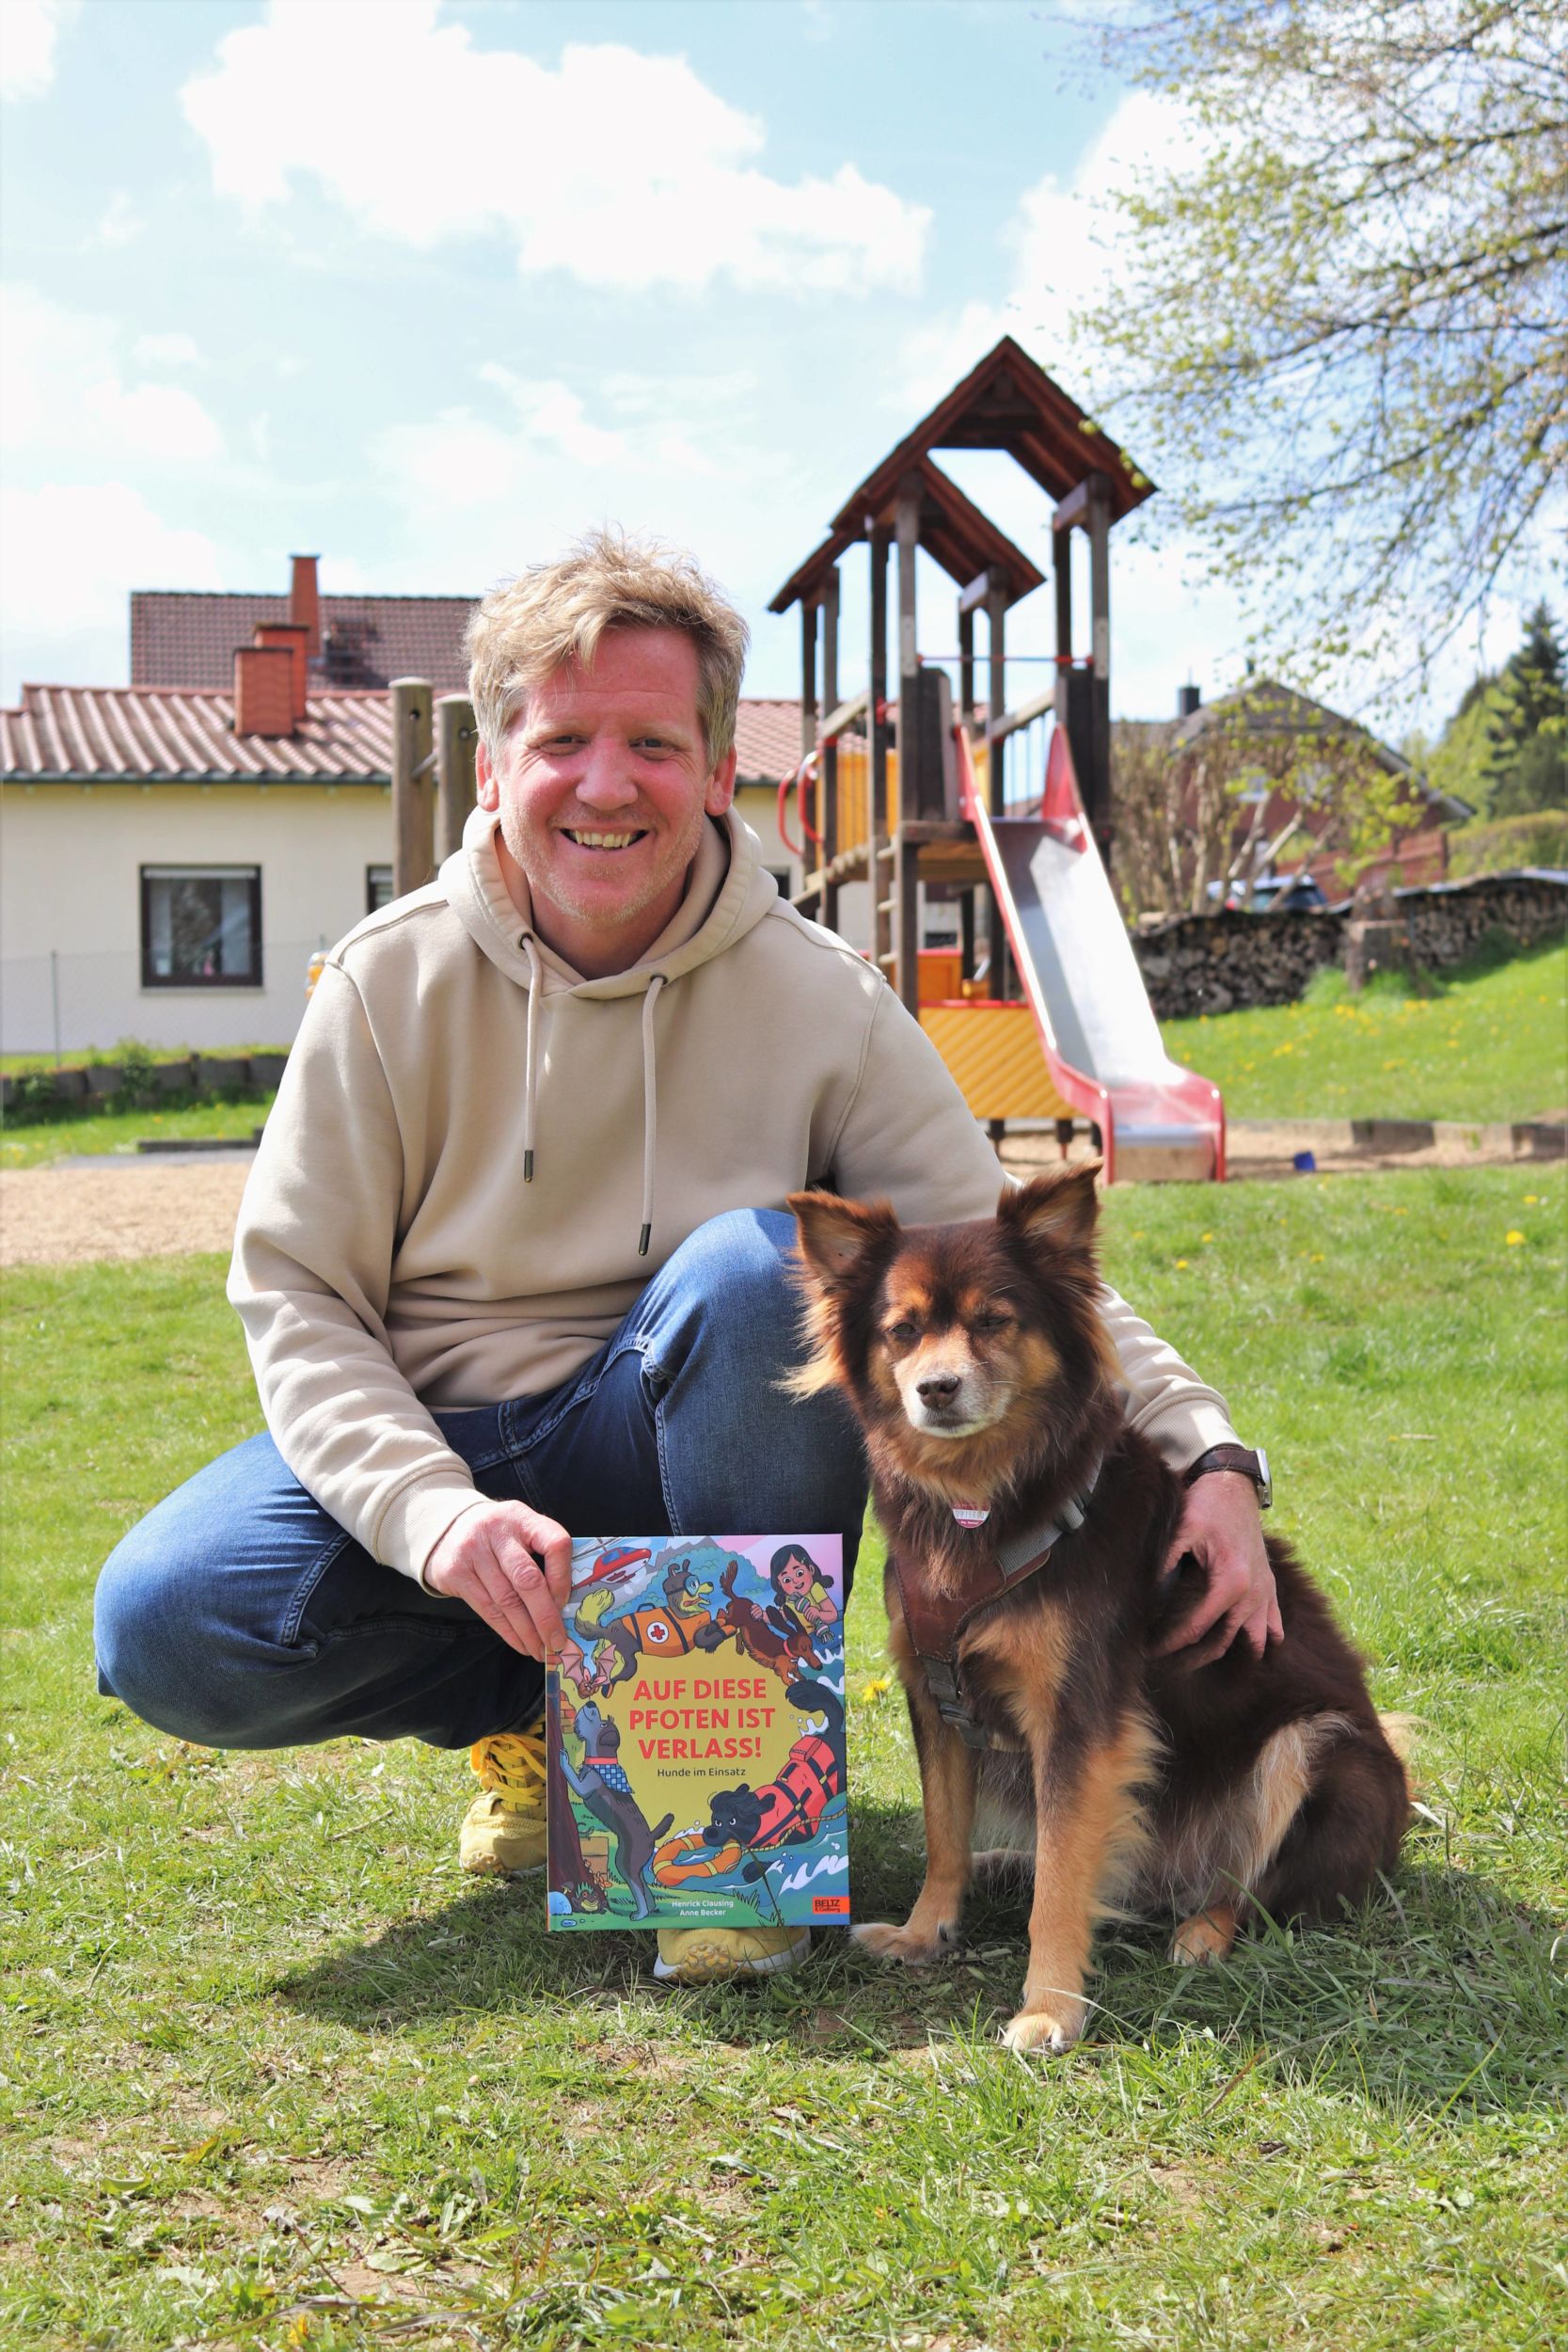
<point x="935" y="1626"/>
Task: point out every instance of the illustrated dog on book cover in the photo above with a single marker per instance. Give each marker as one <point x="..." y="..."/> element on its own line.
<point x="1027" y="1530"/>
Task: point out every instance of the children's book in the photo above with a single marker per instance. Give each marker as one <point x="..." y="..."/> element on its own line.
<point x="696" y="1734"/>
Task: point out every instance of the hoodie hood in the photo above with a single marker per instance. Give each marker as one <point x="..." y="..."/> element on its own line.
<point x="728" y="893"/>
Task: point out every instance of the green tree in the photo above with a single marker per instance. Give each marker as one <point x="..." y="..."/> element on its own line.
<point x="1457" y="762"/>
<point x="1339" y="326"/>
<point x="1527" y="737"/>
<point x="1191" y="803"/>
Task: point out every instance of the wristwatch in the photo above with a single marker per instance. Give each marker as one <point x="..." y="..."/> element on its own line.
<point x="1235" y="1458"/>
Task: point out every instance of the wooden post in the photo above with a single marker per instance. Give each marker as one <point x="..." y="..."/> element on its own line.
<point x="1061" y="551"/>
<point x="906" y="893"/>
<point x="966" y="935"/>
<point x="808" y="739"/>
<point x="996" y="687"/>
<point x="906" y="876"/>
<point x="909" y="655"/>
<point x="996" y="695"/>
<point x="412" y="796"/>
<point x="455" y="737"/>
<point x="1097" y="787"/>
<point x="966" y="662"/>
<point x="828" y="798"/>
<point x="881" y="931"/>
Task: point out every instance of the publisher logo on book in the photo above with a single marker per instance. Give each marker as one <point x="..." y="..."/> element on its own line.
<point x="835" y="1905"/>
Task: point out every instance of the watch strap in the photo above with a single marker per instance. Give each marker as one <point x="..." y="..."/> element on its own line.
<point x="1240" y="1459"/>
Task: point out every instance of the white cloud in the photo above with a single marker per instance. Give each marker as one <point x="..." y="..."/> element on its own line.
<point x="1062" y="242"/>
<point x="119" y="223"/>
<point x="623" y="169"/>
<point x="29" y="35"/>
<point x="68" y="393"/>
<point x="522" y="468"/>
<point x="69" y="558"/>
<point x="168" y="351"/>
<point x="551" y="417"/>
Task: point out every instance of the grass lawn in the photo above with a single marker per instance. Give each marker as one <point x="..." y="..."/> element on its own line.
<point x="276" y="2076"/>
<point x="28" y="1146"/>
<point x="1494" y="1044"/>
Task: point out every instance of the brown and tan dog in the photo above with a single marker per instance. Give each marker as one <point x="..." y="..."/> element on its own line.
<point x="976" y="1360"/>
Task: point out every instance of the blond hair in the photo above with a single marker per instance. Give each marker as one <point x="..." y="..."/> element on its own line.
<point x="557" y="613"/>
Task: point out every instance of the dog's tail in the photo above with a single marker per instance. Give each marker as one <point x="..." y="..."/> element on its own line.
<point x="814" y="1698"/>
<point x="1401" y="1732"/>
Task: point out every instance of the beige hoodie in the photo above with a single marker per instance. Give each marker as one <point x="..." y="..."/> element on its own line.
<point x="471" y="1142"/>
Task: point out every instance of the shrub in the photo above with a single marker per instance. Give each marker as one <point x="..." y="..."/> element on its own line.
<point x="1496" y="844"/>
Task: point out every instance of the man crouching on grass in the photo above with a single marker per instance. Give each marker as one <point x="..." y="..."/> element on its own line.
<point x="512" y="1261"/>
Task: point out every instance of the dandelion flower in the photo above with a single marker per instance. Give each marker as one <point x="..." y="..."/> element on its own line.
<point x="1513" y="1238"/>
<point x="876" y="1688"/>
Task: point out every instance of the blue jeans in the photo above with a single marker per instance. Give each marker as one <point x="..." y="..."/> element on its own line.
<point x="239" y="1615"/>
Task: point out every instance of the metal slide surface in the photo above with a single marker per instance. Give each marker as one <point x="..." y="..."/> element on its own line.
<point x="1079" y="973"/>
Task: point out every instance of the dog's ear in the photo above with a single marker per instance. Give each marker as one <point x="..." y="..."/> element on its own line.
<point x="1059" y="1206"/>
<point x="838" y="1236"/>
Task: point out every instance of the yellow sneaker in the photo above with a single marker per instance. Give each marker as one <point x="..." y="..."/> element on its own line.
<point x="724" y="1955"/>
<point x="503" y="1829"/>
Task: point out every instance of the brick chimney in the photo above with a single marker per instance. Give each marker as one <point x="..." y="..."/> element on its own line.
<point x="293" y="637"/>
<point x="305" y="602"/>
<point x="1188" y="699"/>
<point x="263" y="690"/>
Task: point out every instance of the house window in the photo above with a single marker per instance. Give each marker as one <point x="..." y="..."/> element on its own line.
<point x="378" y="887"/>
<point x="201" y="927"/>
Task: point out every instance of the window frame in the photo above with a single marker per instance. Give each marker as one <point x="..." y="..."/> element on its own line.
<point x="373" y="904"/>
<point x="162" y="871"/>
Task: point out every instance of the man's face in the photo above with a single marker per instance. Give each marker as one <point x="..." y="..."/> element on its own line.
<point x="603" y="784"/>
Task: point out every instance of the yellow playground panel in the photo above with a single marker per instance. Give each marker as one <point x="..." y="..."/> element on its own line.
<point x="993" y="1051"/>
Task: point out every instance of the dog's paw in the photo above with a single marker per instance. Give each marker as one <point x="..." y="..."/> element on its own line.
<point x="899" y="1944"/>
<point x="1055" y="2031"/>
<point x="1204" y="1938"/>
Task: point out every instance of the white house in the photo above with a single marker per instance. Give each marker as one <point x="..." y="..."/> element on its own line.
<point x="173" y="851"/>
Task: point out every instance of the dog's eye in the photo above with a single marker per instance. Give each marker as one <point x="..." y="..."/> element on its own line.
<point x="903" y="1332"/>
<point x="992" y="1320"/>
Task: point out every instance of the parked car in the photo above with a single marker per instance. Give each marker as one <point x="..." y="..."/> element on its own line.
<point x="1276" y="893"/>
<point x="1287" y="894"/>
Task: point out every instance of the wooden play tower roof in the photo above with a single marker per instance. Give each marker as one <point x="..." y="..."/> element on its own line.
<point x="1007" y="402"/>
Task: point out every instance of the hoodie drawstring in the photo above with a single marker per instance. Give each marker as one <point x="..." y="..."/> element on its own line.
<point x="650" y="1113"/>
<point x="535" y="990"/>
<point x="650" y="1091"/>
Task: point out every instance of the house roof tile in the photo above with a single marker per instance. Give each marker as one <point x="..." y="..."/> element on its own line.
<point x="181" y="735"/>
<point x="182" y="637"/>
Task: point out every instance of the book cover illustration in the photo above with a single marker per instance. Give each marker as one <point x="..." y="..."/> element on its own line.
<point x="696" y="1734"/>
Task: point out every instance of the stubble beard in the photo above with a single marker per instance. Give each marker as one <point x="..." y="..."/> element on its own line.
<point x="543" y="872"/>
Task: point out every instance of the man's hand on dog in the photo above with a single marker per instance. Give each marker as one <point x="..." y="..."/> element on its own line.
<point x="514" y="1568"/>
<point x="1221" y="1527"/>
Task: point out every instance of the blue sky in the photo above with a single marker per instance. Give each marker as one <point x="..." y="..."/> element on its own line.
<point x="428" y="288"/>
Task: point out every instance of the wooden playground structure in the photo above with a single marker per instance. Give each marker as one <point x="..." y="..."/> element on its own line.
<point x="1041" y="1013"/>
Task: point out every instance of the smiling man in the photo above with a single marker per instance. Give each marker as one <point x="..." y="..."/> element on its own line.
<point x="512" y="1262"/>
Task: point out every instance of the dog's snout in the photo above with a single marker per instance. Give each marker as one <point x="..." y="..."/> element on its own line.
<point x="938" y="1388"/>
